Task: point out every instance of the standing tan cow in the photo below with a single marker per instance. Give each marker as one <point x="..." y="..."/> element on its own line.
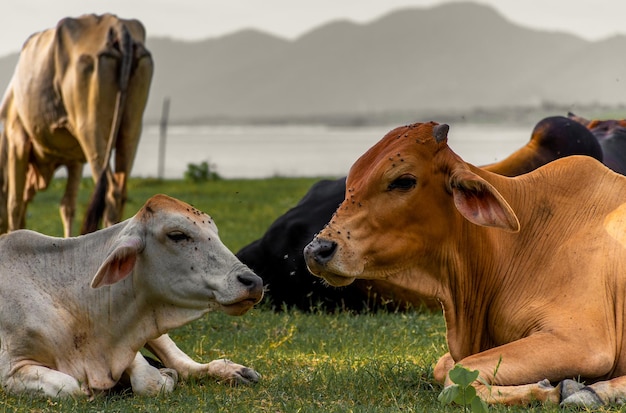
<point x="78" y="92"/>
<point x="530" y="271"/>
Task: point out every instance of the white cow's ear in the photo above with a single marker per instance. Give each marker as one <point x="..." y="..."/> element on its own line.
<point x="119" y="263"/>
<point x="480" y="203"/>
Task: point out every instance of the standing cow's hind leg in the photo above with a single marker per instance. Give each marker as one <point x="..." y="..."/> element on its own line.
<point x="18" y="154"/>
<point x="68" y="202"/>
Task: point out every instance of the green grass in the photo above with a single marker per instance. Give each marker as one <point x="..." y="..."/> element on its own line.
<point x="309" y="362"/>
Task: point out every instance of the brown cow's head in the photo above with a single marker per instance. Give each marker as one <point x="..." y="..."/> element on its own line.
<point x="406" y="198"/>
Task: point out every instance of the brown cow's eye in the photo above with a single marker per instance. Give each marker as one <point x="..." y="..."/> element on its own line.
<point x="178" y="236"/>
<point x="403" y="183"/>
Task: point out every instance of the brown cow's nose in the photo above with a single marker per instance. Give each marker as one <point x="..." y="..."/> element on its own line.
<point x="320" y="250"/>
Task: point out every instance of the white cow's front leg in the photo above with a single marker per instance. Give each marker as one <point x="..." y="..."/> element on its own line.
<point x="150" y="381"/>
<point x="40" y="380"/>
<point x="171" y="356"/>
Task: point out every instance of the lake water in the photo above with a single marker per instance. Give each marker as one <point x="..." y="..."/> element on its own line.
<point x="265" y="151"/>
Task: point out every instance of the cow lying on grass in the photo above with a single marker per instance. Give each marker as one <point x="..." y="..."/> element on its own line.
<point x="530" y="271"/>
<point x="611" y="134"/>
<point x="277" y="256"/>
<point x="74" y="312"/>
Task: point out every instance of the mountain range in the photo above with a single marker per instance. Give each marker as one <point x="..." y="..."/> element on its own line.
<point x="452" y="58"/>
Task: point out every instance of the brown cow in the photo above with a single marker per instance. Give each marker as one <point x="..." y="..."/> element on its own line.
<point x="277" y="256"/>
<point x="78" y="92"/>
<point x="530" y="271"/>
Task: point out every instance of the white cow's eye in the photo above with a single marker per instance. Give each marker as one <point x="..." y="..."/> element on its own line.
<point x="178" y="236"/>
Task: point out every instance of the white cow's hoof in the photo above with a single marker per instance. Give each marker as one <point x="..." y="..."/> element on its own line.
<point x="170" y="378"/>
<point x="233" y="373"/>
<point x="248" y="376"/>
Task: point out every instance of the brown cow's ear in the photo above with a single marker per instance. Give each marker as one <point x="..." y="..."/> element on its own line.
<point x="480" y="203"/>
<point x="440" y="132"/>
<point x="119" y="264"/>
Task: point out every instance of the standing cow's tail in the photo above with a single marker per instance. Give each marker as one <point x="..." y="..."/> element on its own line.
<point x="97" y="205"/>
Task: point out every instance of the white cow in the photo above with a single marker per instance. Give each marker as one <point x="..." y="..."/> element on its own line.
<point x="74" y="312"/>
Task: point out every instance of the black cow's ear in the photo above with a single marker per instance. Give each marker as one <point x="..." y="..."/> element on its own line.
<point x="480" y="203"/>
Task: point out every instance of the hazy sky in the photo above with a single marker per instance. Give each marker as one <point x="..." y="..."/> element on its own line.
<point x="198" y="19"/>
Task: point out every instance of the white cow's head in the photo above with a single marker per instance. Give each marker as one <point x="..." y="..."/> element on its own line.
<point x="176" y="258"/>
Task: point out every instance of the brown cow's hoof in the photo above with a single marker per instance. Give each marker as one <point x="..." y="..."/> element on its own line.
<point x="569" y="387"/>
<point x="585" y="397"/>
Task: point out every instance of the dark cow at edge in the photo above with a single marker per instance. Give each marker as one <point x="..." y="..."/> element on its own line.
<point x="611" y="134"/>
<point x="277" y="256"/>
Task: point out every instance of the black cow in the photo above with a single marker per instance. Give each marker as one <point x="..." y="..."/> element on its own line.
<point x="277" y="256"/>
<point x="611" y="134"/>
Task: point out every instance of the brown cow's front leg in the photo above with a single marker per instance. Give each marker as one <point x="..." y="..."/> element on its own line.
<point x="518" y="370"/>
<point x="523" y="394"/>
<point x="541" y="391"/>
<point x="443" y="366"/>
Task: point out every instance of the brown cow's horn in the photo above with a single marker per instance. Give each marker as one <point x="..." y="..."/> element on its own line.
<point x="440" y="132"/>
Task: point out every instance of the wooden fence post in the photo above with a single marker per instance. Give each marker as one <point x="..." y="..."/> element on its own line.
<point x="163" y="136"/>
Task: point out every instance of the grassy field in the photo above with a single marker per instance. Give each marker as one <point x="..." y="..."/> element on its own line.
<point x="310" y="362"/>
